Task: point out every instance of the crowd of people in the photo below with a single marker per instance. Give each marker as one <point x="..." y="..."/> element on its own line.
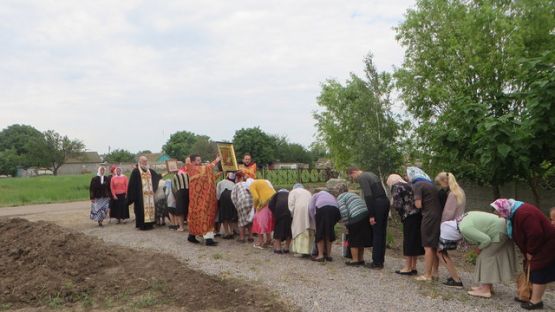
<point x="433" y="216"/>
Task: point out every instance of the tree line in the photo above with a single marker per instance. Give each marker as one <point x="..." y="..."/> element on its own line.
<point x="478" y="87"/>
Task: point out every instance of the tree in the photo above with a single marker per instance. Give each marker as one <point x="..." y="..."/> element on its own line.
<point x="460" y="69"/>
<point x="180" y="144"/>
<point x="16" y="149"/>
<point x="143" y="152"/>
<point x="356" y="122"/>
<point x="203" y="146"/>
<point x="120" y="156"/>
<point x="57" y="149"/>
<point x="256" y="142"/>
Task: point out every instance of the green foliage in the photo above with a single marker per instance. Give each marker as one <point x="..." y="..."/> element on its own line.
<point x="120" y="156"/>
<point x="256" y="142"/>
<point x="207" y="149"/>
<point x="180" y="144"/>
<point x="15" y="148"/>
<point x="55" y="149"/>
<point x="356" y="122"/>
<point x="459" y="76"/>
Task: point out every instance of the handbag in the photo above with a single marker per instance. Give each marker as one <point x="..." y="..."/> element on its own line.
<point x="523" y="285"/>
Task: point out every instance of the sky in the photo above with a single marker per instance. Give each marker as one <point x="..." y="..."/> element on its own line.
<point x="127" y="74"/>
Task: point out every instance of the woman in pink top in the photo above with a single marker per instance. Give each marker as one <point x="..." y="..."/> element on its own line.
<point x="118" y="186"/>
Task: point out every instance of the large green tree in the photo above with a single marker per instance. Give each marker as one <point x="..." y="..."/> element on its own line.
<point x="459" y="74"/>
<point x="206" y="148"/>
<point x="180" y="144"/>
<point x="356" y="121"/>
<point x="57" y="149"/>
<point x="120" y="156"/>
<point x="16" y="150"/>
<point x="256" y="142"/>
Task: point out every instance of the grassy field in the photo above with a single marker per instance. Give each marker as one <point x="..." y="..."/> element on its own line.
<point x="44" y="189"/>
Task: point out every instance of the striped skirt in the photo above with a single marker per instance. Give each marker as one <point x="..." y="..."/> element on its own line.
<point x="99" y="209"/>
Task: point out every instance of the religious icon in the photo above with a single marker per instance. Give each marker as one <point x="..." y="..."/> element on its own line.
<point x="171" y="165"/>
<point x="227" y="157"/>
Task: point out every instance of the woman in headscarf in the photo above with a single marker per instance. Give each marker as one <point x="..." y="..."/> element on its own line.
<point x="100" y="195"/>
<point x="118" y="188"/>
<point x="426" y="199"/>
<point x="355" y="217"/>
<point x="496" y="262"/>
<point x="303" y="226"/>
<point x="402" y="200"/>
<point x="324" y="209"/>
<point x="535" y="237"/>
<point x="161" y="203"/>
<point x="242" y="200"/>
<point x="227" y="213"/>
<point x="263" y="223"/>
<point x="282" y="216"/>
<point x="455" y="205"/>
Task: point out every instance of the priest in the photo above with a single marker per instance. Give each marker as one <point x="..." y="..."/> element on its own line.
<point x="143" y="183"/>
<point x="248" y="169"/>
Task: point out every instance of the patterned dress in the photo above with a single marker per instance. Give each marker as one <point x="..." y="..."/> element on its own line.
<point x="202" y="199"/>
<point x="242" y="199"/>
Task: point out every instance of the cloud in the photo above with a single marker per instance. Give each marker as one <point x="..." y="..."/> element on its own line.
<point x="126" y="74"/>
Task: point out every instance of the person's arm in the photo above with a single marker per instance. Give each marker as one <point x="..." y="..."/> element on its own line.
<point x="472" y="234"/>
<point x="91" y="193"/>
<point x="131" y="187"/>
<point x="343" y="209"/>
<point x="417" y="190"/>
<point x="113" y="189"/>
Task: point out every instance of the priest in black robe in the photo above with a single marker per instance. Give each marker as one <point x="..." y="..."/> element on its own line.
<point x="143" y="183"/>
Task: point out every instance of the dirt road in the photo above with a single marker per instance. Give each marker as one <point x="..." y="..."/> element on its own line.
<point x="311" y="286"/>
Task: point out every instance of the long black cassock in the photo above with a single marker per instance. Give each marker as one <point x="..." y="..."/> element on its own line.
<point x="140" y="192"/>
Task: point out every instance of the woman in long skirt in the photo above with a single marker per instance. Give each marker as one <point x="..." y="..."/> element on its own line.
<point x="242" y="200"/>
<point x="263" y="222"/>
<point x="99" y="191"/>
<point x="282" y="230"/>
<point x="118" y="187"/>
<point x="496" y="262"/>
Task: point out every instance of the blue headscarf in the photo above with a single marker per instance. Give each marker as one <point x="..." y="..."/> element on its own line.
<point x="416" y="174"/>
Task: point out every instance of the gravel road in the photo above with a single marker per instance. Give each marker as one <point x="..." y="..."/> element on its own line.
<point x="311" y="286"/>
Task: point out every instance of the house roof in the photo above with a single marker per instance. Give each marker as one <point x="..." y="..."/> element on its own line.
<point x="85" y="158"/>
<point x="156" y="158"/>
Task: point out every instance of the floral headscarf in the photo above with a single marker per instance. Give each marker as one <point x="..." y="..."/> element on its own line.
<point x="507" y="208"/>
<point x="394" y="179"/>
<point x="416" y="174"/>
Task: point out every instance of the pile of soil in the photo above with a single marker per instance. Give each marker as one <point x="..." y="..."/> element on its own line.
<point x="42" y="261"/>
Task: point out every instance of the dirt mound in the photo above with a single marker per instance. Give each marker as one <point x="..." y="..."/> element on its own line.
<point x="44" y="264"/>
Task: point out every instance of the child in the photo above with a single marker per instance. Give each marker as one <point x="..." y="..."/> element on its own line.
<point x="552" y="215"/>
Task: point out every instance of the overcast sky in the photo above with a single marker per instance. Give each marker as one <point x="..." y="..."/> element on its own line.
<point x="127" y="74"/>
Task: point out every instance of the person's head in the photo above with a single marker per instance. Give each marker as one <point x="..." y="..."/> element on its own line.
<point x="231" y="176"/>
<point x="354" y="172"/>
<point x="143" y="162"/>
<point x="448" y="181"/>
<point x="415" y="173"/>
<point x="247" y="159"/>
<point x="394" y="179"/>
<point x="113" y="169"/>
<point x="552" y="215"/>
<point x="101" y="171"/>
<point x="118" y="171"/>
<point x="298" y="185"/>
<point x="196" y="159"/>
<point x="503" y="207"/>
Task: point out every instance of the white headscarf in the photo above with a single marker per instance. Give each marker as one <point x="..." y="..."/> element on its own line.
<point x="100" y="174"/>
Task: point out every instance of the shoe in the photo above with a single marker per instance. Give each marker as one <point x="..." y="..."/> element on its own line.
<point x="217" y="235"/>
<point x="479" y="294"/>
<point x="532" y="306"/>
<point x="286" y="251"/>
<point x="277" y="251"/>
<point x="452" y="283"/>
<point x="517" y="299"/>
<point x="423" y="278"/>
<point x="210" y="242"/>
<point x="374" y="266"/>
<point x="257" y="246"/>
<point x="192" y="239"/>
<point x="409" y="273"/>
<point x="328" y="259"/>
<point x="414" y="272"/>
<point x="316" y="259"/>
<point x="354" y="263"/>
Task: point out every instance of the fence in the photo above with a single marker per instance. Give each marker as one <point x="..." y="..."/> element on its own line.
<point x="287" y="177"/>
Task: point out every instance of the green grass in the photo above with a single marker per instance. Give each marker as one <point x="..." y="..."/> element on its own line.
<point x="44" y="189"/>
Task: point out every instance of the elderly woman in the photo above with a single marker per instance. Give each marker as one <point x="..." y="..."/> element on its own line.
<point x="535" y="237"/>
<point x="263" y="223"/>
<point x="118" y="188"/>
<point x="354" y="214"/>
<point x="100" y="195"/>
<point x="402" y="200"/>
<point x="454" y="209"/>
<point x="227" y="213"/>
<point x="496" y="262"/>
<point x="303" y="226"/>
<point x="427" y="200"/>
<point x="280" y="211"/>
<point x="242" y="200"/>
<point x="324" y="209"/>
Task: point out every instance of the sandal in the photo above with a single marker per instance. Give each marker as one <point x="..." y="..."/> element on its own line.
<point x="316" y="259"/>
<point x="257" y="246"/>
<point x="479" y="294"/>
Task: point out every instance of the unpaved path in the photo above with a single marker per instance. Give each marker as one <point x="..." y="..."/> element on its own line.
<point x="311" y="286"/>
